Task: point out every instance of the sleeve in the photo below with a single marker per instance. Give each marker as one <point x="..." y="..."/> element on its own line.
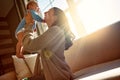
<point x="32" y="44"/>
<point x="36" y="16"/>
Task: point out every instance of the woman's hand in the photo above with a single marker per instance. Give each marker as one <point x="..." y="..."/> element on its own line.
<point x="28" y="18"/>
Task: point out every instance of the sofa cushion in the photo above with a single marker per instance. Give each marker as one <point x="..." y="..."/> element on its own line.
<point x="100" y="71"/>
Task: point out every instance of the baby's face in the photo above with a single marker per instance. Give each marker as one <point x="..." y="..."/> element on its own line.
<point x="35" y="7"/>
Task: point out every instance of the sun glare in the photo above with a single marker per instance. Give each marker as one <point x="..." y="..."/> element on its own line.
<point x="96" y="14"/>
<point x="72" y="26"/>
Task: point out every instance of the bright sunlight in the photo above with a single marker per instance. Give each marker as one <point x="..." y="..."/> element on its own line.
<point x="96" y="14"/>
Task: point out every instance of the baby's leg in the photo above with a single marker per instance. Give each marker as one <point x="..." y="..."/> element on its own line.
<point x="19" y="47"/>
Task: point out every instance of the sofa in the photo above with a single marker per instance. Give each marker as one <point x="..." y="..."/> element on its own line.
<point x="95" y="52"/>
<point x="98" y="47"/>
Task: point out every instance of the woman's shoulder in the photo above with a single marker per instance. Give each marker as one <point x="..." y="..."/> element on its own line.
<point x="54" y="30"/>
<point x="55" y="27"/>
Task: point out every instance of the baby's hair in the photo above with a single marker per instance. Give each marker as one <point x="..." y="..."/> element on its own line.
<point x="31" y="3"/>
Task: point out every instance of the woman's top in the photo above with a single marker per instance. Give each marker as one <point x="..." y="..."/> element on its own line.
<point x="50" y="47"/>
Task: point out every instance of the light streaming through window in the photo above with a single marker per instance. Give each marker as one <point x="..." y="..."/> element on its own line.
<point x="96" y="14"/>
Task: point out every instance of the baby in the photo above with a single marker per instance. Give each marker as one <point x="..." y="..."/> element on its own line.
<point x="33" y="8"/>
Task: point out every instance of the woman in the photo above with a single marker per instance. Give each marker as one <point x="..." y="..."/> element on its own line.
<point x="51" y="44"/>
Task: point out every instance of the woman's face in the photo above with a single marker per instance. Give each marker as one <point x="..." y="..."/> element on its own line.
<point x="50" y="17"/>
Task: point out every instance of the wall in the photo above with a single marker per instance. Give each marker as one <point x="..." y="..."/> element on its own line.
<point x="8" y="40"/>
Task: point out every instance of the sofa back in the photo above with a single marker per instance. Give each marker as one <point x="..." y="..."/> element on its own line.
<point x="98" y="47"/>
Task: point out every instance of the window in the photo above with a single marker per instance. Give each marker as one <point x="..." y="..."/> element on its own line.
<point x="96" y="14"/>
<point x="47" y="4"/>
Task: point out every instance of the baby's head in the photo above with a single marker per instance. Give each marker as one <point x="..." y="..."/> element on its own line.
<point x="33" y="5"/>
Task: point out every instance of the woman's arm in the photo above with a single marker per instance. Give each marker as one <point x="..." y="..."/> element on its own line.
<point x="32" y="44"/>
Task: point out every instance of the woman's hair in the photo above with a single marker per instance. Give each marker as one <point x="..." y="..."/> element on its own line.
<point x="63" y="23"/>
